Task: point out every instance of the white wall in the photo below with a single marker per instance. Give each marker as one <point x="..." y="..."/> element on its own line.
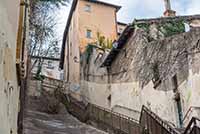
<point x="9" y="90"/>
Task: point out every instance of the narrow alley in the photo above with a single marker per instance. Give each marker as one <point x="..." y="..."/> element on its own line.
<point x="99" y="67"/>
<point x="39" y="119"/>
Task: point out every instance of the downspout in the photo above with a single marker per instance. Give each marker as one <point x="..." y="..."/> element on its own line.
<point x="68" y="64"/>
<point x="21" y="39"/>
<point x="109" y="85"/>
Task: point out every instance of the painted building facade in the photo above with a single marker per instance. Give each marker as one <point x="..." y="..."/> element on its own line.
<point x="86" y="20"/>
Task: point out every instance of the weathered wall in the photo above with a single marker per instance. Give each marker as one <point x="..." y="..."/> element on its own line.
<point x="173" y="56"/>
<point x="9" y="90"/>
<point x="72" y="67"/>
<point x="96" y="21"/>
<point x="132" y="73"/>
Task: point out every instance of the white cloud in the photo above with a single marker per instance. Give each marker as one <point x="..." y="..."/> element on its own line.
<point x="193" y="7"/>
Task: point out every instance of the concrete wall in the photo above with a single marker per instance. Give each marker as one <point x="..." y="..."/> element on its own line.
<point x="9" y="90"/>
<point x="131" y="84"/>
<point x="72" y="51"/>
<point x="168" y="53"/>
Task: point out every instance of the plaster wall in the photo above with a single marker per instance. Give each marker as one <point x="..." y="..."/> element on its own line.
<point x="132" y="88"/>
<point x="72" y="52"/>
<point x="190" y="92"/>
<point x="100" y="19"/>
<point x="9" y="90"/>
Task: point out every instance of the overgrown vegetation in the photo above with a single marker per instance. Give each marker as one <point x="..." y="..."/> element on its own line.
<point x="88" y="52"/>
<point x="144" y="26"/>
<point x="104" y="42"/>
<point x="166" y="29"/>
<point x="172" y="28"/>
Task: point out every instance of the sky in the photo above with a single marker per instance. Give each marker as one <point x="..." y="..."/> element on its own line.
<point x="137" y="9"/>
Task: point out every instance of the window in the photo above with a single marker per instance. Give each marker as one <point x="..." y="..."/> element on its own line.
<point x="87" y="8"/>
<point x="50" y="65"/>
<point x="89" y="33"/>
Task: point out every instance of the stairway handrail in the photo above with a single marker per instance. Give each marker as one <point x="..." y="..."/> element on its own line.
<point x="115" y="113"/>
<point x="158" y="119"/>
<point x="189" y="111"/>
<point x="192" y="122"/>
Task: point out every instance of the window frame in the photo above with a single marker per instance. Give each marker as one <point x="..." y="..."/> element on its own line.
<point x="88" y="33"/>
<point x="87" y="8"/>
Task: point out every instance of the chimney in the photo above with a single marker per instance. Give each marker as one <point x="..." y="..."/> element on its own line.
<point x="168" y="11"/>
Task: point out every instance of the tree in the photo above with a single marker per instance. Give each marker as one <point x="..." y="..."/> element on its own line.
<point x="43" y="40"/>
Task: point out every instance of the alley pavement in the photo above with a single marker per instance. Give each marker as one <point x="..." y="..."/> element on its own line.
<point x="37" y="121"/>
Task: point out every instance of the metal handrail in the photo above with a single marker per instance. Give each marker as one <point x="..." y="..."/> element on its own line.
<point x="115" y="113"/>
<point x="191" y="124"/>
<point x="189" y="111"/>
<point x="158" y="119"/>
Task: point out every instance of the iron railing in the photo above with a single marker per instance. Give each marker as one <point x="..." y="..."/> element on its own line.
<point x="154" y="124"/>
<point x="118" y="122"/>
<point x="193" y="127"/>
<point x="189" y="112"/>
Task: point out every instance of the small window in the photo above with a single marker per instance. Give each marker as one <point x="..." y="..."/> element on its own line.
<point x="89" y="33"/>
<point x="87" y="8"/>
<point x="50" y="65"/>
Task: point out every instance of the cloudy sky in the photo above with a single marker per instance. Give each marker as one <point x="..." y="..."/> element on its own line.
<point x="132" y="9"/>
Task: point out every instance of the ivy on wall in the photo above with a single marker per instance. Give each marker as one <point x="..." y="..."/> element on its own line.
<point x="167" y="28"/>
<point x="144" y="26"/>
<point x="172" y="28"/>
<point x="88" y="52"/>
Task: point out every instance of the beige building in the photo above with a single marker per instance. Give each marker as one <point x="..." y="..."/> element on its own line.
<point x="12" y="58"/>
<point x="87" y="18"/>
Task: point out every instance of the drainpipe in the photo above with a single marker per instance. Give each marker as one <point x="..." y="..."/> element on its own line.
<point x="109" y="83"/>
<point x="21" y="39"/>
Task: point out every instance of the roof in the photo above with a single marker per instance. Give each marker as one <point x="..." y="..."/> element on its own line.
<point x="130" y="30"/>
<point x="167" y="19"/>
<point x="122" y="23"/>
<point x="73" y="7"/>
<point x="45" y="58"/>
